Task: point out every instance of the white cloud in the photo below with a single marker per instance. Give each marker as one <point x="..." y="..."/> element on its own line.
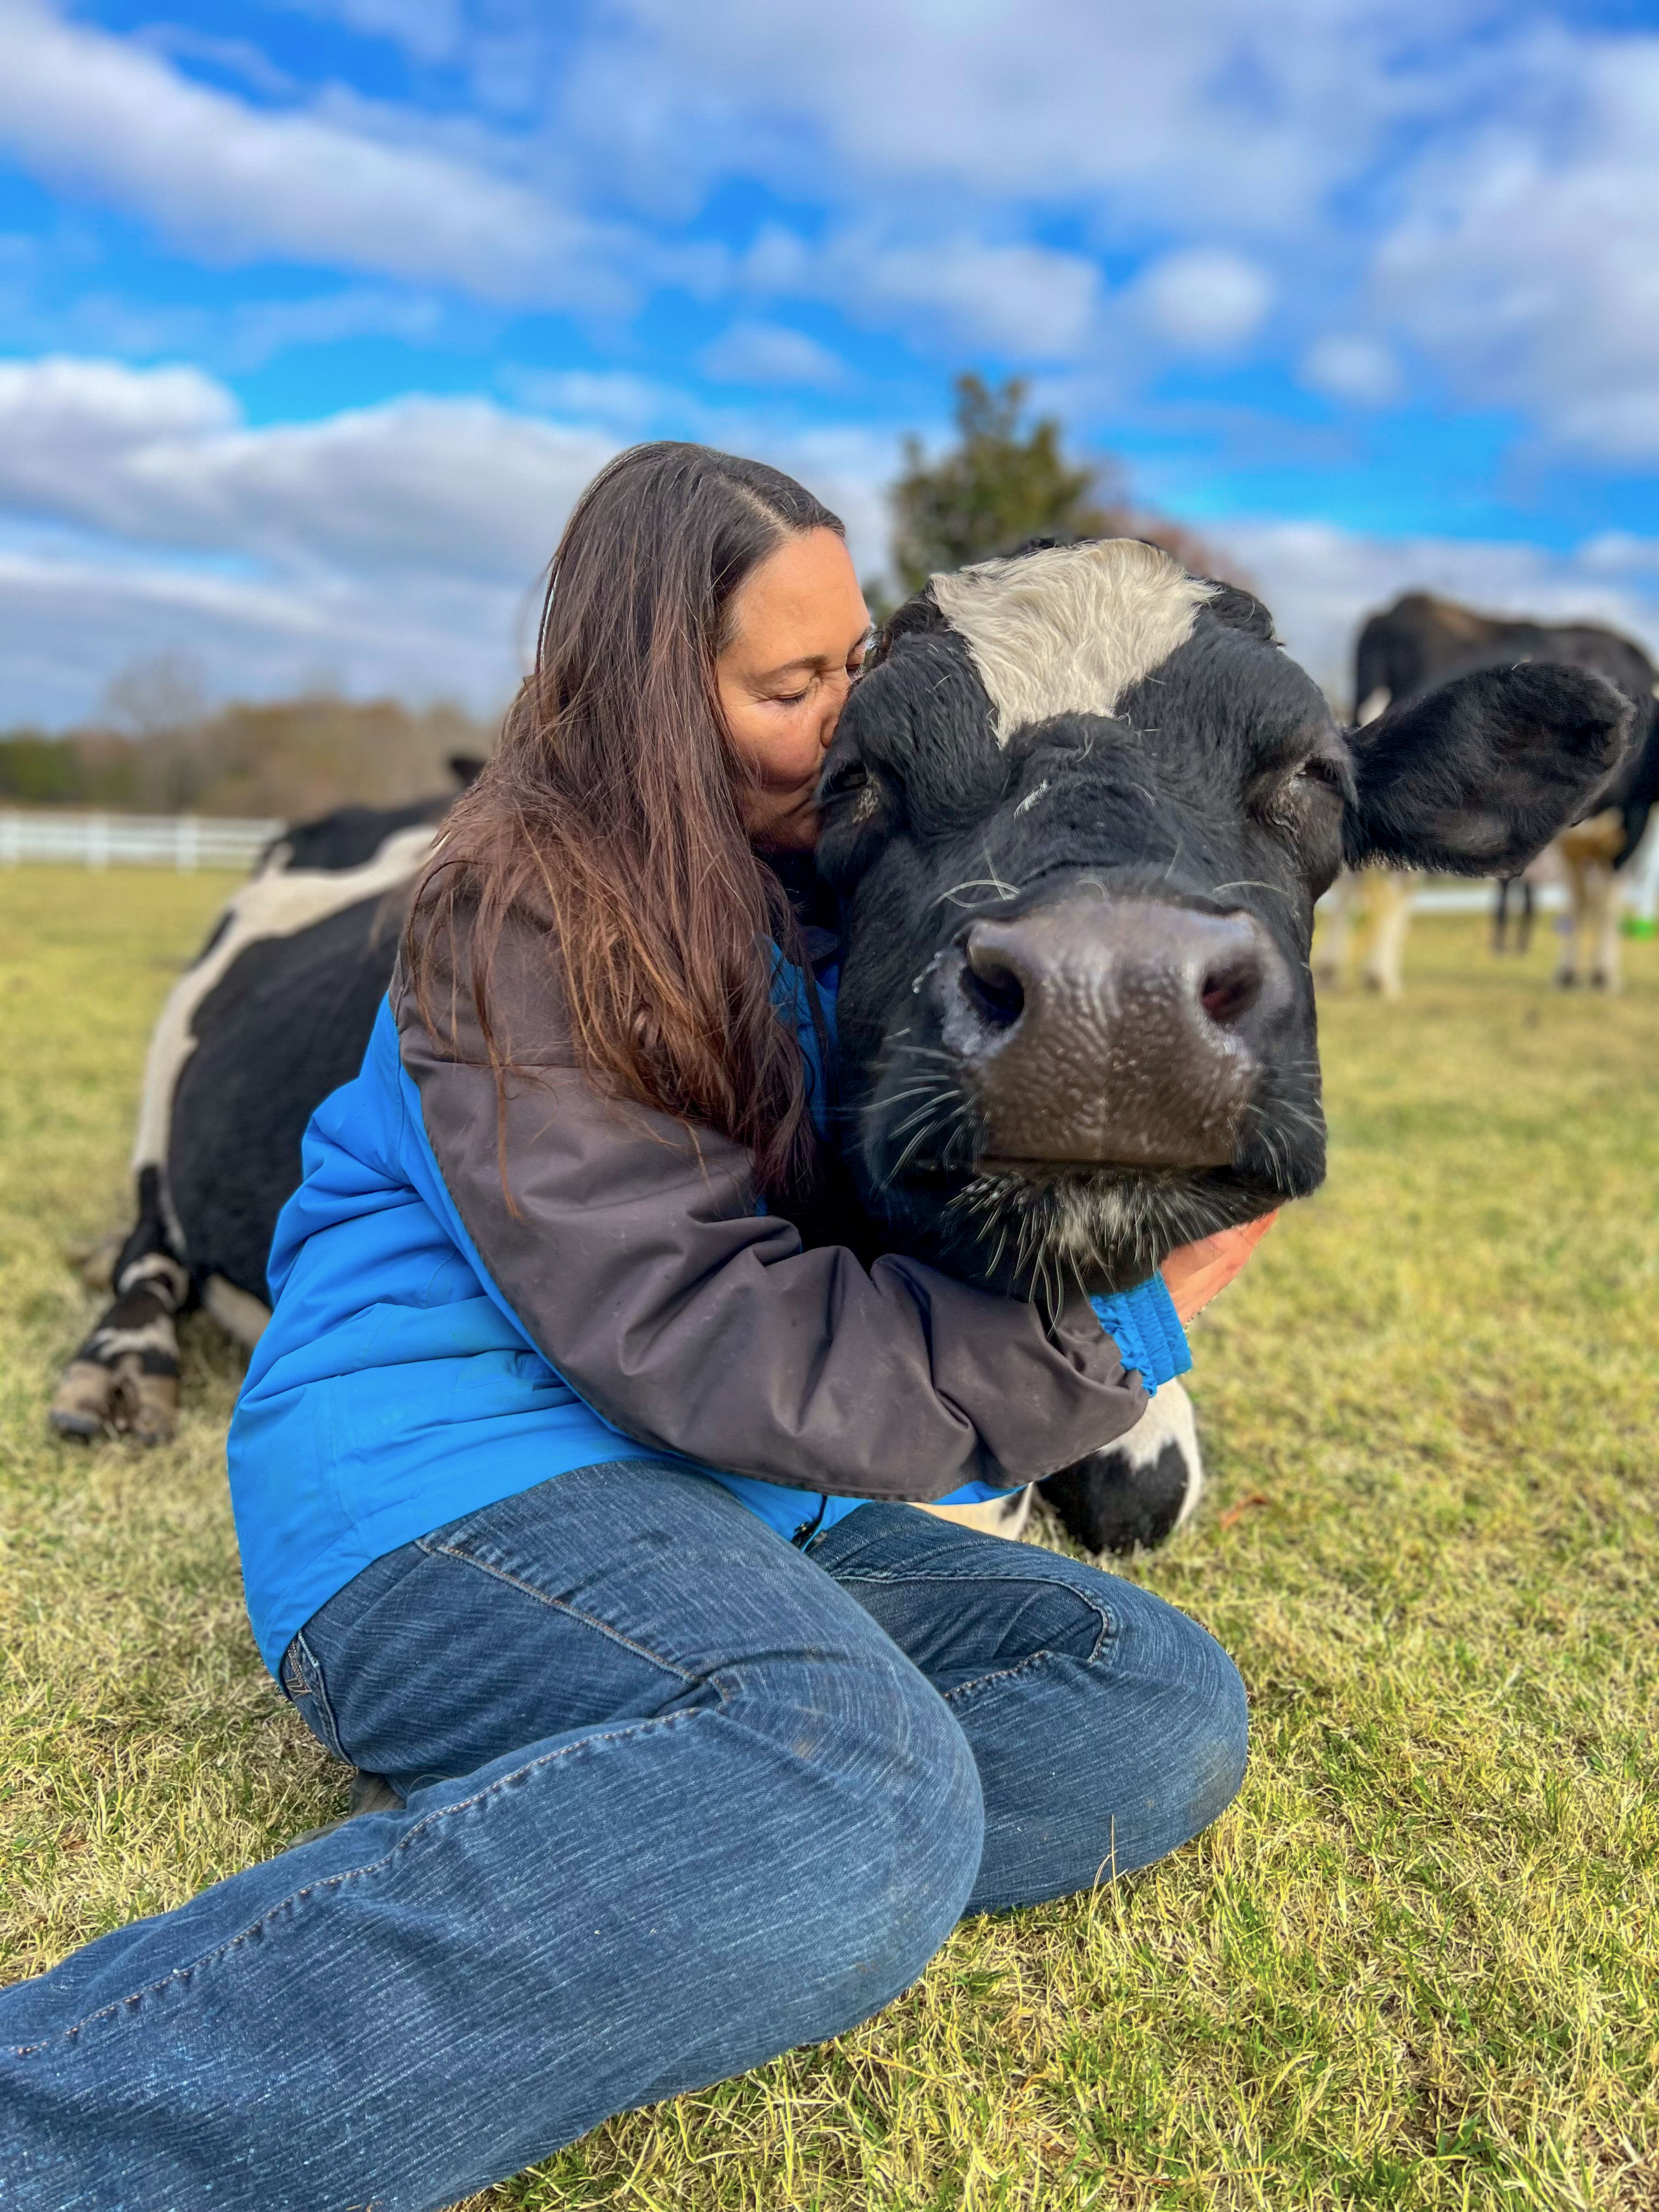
<point x="1321" y="582"/>
<point x="1206" y="299"/>
<point x="107" y="118"/>
<point x="1351" y="367"/>
<point x="770" y="353"/>
<point x="69" y="427"/>
<point x="1193" y="112"/>
<point x="1034" y="301"/>
<point x="1527" y="262"/>
<point x="71" y="625"/>
<point x="152" y="456"/>
<point x="400" y="545"/>
<point x="612" y="396"/>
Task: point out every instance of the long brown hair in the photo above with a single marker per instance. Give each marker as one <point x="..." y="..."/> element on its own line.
<point x="611" y="811"/>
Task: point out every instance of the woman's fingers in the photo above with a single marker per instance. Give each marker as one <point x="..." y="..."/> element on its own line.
<point x="1194" y="1272"/>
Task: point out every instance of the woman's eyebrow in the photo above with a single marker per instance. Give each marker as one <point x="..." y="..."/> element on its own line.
<point x="801" y="661"/>
<point x="812" y="660"/>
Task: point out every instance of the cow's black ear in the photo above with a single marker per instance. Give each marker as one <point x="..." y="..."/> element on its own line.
<point x="1241" y="610"/>
<point x="1476" y="777"/>
<point x="914" y="618"/>
<point x="466" y="768"/>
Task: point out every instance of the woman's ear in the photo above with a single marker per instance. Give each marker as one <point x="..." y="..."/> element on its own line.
<point x="1476" y="777"/>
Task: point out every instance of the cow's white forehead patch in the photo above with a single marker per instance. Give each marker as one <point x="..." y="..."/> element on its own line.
<point x="1067" y="630"/>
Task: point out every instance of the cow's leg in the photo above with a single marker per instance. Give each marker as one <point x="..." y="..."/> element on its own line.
<point x="1140" y="1490"/>
<point x="1500" y="912"/>
<point x="1601" y="925"/>
<point x="1523" y="930"/>
<point x="1573" y="921"/>
<point x="1391" y="894"/>
<point x="126" y="1376"/>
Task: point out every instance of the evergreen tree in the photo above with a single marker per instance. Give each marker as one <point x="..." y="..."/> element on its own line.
<point x="1005" y="480"/>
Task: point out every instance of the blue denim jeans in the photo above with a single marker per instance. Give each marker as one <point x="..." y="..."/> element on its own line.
<point x="680" y="1796"/>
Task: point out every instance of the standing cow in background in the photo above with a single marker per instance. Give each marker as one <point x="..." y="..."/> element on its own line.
<point x="1421" y="643"/>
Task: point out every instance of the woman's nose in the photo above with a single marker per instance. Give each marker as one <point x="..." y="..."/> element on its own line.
<point x="835" y="698"/>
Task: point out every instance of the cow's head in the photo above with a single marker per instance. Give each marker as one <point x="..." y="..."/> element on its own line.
<point x="1080" y="809"/>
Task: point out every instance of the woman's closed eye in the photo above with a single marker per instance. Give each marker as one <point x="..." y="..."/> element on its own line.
<point x="798" y="697"/>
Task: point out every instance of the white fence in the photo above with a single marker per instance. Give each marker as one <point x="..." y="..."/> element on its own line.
<point x="1638" y="886"/>
<point x="188" y="841"/>
<point x="183" y="841"/>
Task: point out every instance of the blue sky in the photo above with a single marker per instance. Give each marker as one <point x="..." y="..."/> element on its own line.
<point x="314" y="315"/>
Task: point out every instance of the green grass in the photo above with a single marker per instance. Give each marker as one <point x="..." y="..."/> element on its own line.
<point x="1416" y="1965"/>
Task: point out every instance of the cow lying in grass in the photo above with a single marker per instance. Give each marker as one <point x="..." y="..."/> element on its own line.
<point x="1078" y="813"/>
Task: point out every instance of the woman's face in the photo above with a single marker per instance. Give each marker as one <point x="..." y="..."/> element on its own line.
<point x="800" y="629"/>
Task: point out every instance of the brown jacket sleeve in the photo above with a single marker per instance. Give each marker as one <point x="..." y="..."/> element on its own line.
<point x="633" y="1256"/>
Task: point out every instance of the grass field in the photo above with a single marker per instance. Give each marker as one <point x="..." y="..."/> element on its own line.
<point x="1416" y="1965"/>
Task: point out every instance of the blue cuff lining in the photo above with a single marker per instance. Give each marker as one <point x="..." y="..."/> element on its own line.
<point x="1147" y="1329"/>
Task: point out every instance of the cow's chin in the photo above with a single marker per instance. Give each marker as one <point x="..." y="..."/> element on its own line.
<point x="1034" y="1231"/>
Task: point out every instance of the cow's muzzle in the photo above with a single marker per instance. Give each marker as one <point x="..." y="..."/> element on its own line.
<point x="1118" y="1031"/>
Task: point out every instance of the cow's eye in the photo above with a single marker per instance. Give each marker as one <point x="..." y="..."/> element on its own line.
<point x="851" y="775"/>
<point x="1320" y="770"/>
<point x="1298" y="803"/>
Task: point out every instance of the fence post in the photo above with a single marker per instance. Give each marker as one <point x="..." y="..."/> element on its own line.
<point x="97" y="846"/>
<point x="187" y="844"/>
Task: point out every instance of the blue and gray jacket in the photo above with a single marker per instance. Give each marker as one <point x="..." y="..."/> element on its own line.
<point x="468" y="1301"/>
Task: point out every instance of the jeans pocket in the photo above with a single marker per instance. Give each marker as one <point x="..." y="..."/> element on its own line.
<point x="303" y="1683"/>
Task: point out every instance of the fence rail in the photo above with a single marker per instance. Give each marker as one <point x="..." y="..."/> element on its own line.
<point x="189" y="842"/>
<point x="182" y="841"/>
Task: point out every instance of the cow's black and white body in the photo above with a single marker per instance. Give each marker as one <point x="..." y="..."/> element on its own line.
<point x="272" y="1015"/>
<point x="1078" y="813"/>
<point x="1421" y="643"/>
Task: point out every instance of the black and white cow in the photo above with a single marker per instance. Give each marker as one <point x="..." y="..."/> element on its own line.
<point x="1422" y="641"/>
<point x="1079" y="811"/>
<point x="272" y="1015"/>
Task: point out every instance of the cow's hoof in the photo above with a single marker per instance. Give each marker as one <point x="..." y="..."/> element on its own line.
<point x="1136" y="1493"/>
<point x="147" y="1408"/>
<point x="84" y="1404"/>
<point x="119" y="1399"/>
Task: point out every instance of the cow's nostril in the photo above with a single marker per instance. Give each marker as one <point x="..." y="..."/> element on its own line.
<point x="992" y="988"/>
<point x="1230" y="987"/>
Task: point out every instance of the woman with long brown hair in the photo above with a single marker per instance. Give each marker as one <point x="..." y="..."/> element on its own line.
<point x="571" y="1488"/>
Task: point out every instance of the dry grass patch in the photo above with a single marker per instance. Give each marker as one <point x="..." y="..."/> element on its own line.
<point x="1416" y="1966"/>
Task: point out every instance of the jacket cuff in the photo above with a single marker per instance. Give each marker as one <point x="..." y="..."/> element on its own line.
<point x="1147" y="1329"/>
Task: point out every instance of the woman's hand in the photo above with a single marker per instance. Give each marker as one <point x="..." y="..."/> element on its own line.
<point x="1194" y="1272"/>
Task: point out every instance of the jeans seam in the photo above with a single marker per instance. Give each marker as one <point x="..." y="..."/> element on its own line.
<point x="431" y="1548"/>
<point x="1008" y="1674"/>
<point x="316" y="1690"/>
<point x="351" y="1873"/>
<point x="1048" y="1581"/>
